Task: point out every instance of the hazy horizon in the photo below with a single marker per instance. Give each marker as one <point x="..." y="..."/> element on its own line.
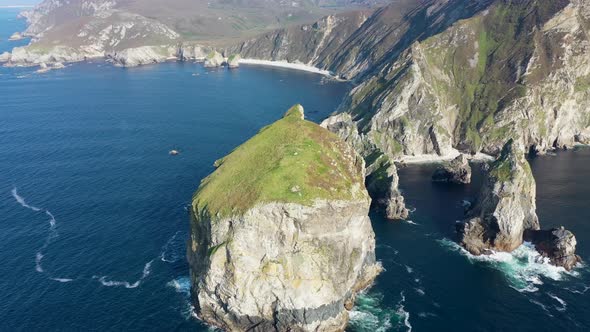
<point x="6" y="3"/>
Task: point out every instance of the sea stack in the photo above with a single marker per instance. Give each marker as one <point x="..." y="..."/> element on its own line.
<point x="233" y="61"/>
<point x="506" y="206"/>
<point x="456" y="171"/>
<point x="280" y="234"/>
<point x="213" y="59"/>
<point x="505" y="214"/>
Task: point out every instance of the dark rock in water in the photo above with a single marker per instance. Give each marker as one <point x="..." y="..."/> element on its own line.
<point x="505" y="207"/>
<point x="456" y="171"/>
<point x="558" y="244"/>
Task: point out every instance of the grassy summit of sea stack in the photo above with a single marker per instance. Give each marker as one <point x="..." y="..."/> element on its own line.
<point x="291" y="161"/>
<point x="281" y="239"/>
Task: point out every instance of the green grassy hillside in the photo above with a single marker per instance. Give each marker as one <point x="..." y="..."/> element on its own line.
<point x="291" y="160"/>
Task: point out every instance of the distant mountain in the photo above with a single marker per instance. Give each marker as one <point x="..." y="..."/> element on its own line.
<point x="151" y="30"/>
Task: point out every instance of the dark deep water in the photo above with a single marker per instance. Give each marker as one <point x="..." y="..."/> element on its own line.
<point x="88" y="148"/>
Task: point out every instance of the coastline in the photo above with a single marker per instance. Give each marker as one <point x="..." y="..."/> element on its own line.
<point x="434" y="159"/>
<point x="287" y="65"/>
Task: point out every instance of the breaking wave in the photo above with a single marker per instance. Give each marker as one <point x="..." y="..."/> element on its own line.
<point x="147" y="269"/>
<point x="524" y="268"/>
<point x="370" y="315"/>
<point x="182" y="285"/>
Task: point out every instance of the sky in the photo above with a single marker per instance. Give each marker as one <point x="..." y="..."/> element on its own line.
<point x="18" y="2"/>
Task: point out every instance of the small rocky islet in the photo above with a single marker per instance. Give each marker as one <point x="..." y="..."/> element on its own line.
<point x="280" y="234"/>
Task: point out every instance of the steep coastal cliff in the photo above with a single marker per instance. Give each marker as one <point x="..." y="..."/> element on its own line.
<point x="280" y="234"/>
<point x="515" y="69"/>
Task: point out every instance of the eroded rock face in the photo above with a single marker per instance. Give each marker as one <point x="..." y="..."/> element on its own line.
<point x="456" y="171"/>
<point x="395" y="206"/>
<point x="213" y="59"/>
<point x="506" y="207"/>
<point x="558" y="244"/>
<point x="233" y="61"/>
<point x="258" y="271"/>
<point x="284" y="263"/>
<point x="416" y="103"/>
<point x="137" y="56"/>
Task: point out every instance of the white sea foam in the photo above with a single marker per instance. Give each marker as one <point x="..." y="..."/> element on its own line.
<point x="182" y="285"/>
<point x="52" y="228"/>
<point x="38" y="259"/>
<point x="420" y="291"/>
<point x="542" y="307"/>
<point x="63" y="280"/>
<point x="22" y="201"/>
<point x="409" y="269"/>
<point x="563" y="304"/>
<point x="524" y="268"/>
<point x="412" y="223"/>
<point x="147" y="269"/>
<point x="369" y="315"/>
<point x="173" y="249"/>
<point x="402" y="313"/>
<point x="583" y="290"/>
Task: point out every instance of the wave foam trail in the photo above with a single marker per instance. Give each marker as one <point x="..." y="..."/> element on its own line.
<point x="412" y="223"/>
<point x="542" y="307"/>
<point x="22" y="201"/>
<point x="173" y="250"/>
<point x="50" y="237"/>
<point x="147" y="269"/>
<point x="402" y="313"/>
<point x="563" y="304"/>
<point x="524" y="268"/>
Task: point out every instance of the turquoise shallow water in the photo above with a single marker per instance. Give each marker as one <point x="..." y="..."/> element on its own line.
<point x="94" y="226"/>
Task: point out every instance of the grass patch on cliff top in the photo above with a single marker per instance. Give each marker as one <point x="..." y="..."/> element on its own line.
<point x="291" y="160"/>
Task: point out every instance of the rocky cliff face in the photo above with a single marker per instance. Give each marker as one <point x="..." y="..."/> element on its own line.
<point x="514" y="69"/>
<point x="284" y="245"/>
<point x="309" y="44"/>
<point x="506" y="207"/>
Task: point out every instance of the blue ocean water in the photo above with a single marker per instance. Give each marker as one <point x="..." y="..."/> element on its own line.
<point x="94" y="222"/>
